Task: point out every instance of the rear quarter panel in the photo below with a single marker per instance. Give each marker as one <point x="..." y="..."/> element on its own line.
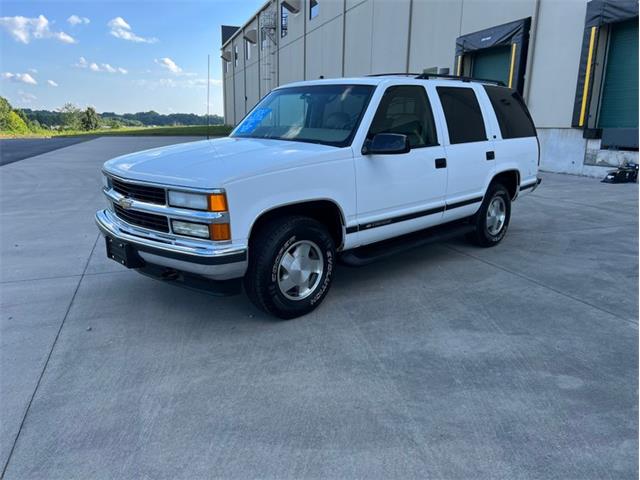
<point x="520" y="154"/>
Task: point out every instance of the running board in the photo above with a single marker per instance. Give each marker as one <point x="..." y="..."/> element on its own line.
<point x="361" y="256"/>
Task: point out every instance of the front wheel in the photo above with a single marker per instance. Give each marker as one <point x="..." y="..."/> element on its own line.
<point x="290" y="266"/>
<point x="492" y="220"/>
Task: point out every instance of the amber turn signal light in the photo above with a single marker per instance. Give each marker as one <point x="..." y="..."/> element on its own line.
<point x="220" y="231"/>
<point x="217" y="202"/>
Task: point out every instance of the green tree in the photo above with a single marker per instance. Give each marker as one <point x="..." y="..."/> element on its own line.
<point x="5" y="109"/>
<point x="89" y="120"/>
<point x="15" y="124"/>
<point x="70" y="116"/>
<point x="21" y="114"/>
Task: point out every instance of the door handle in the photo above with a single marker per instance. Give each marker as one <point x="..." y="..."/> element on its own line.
<point x="441" y="163"/>
<point x="491" y="155"/>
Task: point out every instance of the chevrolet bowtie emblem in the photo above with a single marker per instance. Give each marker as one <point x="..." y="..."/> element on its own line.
<point x="125" y="203"/>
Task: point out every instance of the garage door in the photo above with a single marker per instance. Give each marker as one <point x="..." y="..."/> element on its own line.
<point x="619" y="105"/>
<point x="492" y="64"/>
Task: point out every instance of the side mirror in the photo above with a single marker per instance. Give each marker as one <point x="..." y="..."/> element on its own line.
<point x="386" y="144"/>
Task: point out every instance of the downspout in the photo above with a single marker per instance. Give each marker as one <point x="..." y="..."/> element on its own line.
<point x="259" y="48"/>
<point x="278" y="37"/>
<point x="533" y="37"/>
<point x="244" y="72"/>
<point x="304" y="42"/>
<point x="407" y="65"/>
<point x="344" y="32"/>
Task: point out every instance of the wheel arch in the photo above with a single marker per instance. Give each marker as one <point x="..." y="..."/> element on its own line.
<point x="510" y="178"/>
<point x="324" y="210"/>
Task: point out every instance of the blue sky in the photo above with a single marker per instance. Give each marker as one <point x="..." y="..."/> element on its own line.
<point x="122" y="56"/>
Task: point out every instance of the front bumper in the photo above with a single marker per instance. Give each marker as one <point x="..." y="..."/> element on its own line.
<point x="203" y="258"/>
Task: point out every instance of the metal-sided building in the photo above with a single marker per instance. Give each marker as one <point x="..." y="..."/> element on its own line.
<point x="575" y="62"/>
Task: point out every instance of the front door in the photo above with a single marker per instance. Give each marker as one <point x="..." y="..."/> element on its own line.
<point x="400" y="193"/>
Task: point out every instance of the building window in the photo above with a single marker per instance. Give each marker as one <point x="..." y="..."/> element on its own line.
<point x="462" y="112"/>
<point x="284" y="20"/>
<point x="235" y="56"/>
<point x="263" y="39"/>
<point x="247" y="49"/>
<point x="226" y="66"/>
<point x="314" y="9"/>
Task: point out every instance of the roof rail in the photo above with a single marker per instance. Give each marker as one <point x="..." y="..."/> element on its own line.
<point x="427" y="76"/>
<point x="403" y="74"/>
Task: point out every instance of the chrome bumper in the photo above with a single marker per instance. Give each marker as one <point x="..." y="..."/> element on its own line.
<point x="530" y="186"/>
<point x="199" y="257"/>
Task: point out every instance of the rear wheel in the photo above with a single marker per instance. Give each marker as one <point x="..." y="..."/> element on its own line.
<point x="291" y="265"/>
<point x="492" y="220"/>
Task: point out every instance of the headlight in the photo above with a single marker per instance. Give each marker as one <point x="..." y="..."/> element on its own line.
<point x="215" y="202"/>
<point x="190" y="229"/>
<point x="194" y="201"/>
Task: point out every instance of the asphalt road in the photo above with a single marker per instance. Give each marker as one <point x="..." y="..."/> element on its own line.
<point x="14" y="149"/>
<point x="446" y="362"/>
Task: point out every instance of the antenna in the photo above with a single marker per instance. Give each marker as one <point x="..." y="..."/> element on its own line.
<point x="208" y="86"/>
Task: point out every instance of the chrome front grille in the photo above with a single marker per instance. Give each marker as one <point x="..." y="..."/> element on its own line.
<point x="142" y="219"/>
<point x="143" y="193"/>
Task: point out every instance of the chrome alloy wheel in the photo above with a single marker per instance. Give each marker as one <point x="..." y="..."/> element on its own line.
<point x="300" y="270"/>
<point x="496" y="215"/>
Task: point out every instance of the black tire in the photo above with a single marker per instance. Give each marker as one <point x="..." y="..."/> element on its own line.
<point x="483" y="236"/>
<point x="268" y="247"/>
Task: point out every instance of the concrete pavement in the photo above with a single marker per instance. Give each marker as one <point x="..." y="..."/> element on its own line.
<point x="14" y="149"/>
<point x="445" y="362"/>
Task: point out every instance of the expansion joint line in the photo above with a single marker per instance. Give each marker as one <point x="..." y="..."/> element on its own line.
<point x="46" y="362"/>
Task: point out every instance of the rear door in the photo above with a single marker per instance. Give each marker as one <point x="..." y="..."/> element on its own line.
<point x="469" y="149"/>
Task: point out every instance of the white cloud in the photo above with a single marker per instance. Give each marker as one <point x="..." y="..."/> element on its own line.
<point x="178" y="83"/>
<point x="19" y="77"/>
<point x="169" y="64"/>
<point x="52" y="83"/>
<point x="24" y="29"/>
<point x="33" y="70"/>
<point x="77" y="20"/>
<point x="26" y="98"/>
<point x="119" y="28"/>
<point x="99" y="67"/>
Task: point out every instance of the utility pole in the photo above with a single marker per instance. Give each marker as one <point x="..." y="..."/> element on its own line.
<point x="208" y="86"/>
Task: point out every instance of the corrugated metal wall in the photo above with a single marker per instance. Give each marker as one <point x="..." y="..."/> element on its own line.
<point x="360" y="37"/>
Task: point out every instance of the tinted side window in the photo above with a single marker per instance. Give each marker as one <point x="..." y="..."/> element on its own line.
<point x="405" y="109"/>
<point x="513" y="116"/>
<point x="464" y="117"/>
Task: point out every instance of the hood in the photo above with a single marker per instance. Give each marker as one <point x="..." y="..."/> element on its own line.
<point x="215" y="163"/>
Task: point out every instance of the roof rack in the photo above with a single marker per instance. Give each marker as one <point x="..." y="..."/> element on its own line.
<point x="403" y="74"/>
<point x="427" y="76"/>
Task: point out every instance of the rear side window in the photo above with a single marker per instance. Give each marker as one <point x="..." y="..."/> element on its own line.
<point x="513" y="116"/>
<point x="462" y="112"/>
<point x="405" y="109"/>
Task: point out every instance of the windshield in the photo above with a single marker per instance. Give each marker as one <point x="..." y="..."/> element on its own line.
<point x="326" y="114"/>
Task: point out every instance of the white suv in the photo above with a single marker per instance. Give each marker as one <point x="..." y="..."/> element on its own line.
<point x="349" y="168"/>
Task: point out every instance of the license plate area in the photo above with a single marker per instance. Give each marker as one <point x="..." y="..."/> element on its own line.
<point x="123" y="253"/>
